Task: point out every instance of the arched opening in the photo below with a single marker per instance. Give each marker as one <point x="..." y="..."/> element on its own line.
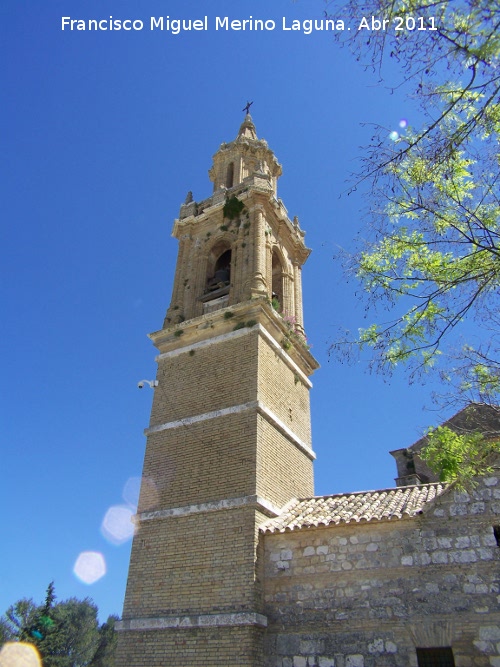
<point x="277" y="280"/>
<point x="230" y="175"/>
<point x="217" y="284"/>
<point x="219" y="269"/>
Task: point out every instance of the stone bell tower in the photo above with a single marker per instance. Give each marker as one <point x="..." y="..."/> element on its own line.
<point x="229" y="441"/>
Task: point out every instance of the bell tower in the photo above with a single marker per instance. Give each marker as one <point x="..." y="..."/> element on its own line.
<point x="229" y="440"/>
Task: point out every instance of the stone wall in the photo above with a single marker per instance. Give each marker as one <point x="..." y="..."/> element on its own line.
<point x="367" y="594"/>
<point x="224" y="452"/>
<point x="191" y="647"/>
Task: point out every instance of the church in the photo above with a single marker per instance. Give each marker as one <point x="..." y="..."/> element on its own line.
<point x="235" y="562"/>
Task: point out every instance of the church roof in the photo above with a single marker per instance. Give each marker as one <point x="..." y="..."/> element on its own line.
<point x="343" y="508"/>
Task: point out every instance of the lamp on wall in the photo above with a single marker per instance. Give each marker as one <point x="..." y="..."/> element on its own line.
<point x="151" y="383"/>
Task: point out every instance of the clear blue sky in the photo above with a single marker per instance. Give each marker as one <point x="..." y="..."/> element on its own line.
<point x="103" y="134"/>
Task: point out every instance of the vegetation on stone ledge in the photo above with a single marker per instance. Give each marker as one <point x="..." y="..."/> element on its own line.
<point x="233" y="208"/>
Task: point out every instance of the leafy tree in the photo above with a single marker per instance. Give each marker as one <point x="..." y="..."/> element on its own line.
<point x="75" y="637"/>
<point x="66" y="634"/>
<point x="432" y="252"/>
<point x="459" y="457"/>
<point x="105" y="653"/>
<point x="18" y="620"/>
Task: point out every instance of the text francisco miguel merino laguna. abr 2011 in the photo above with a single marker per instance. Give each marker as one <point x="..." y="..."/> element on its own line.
<point x="225" y="23"/>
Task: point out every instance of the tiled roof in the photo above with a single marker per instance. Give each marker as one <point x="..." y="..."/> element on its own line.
<point x="353" y="507"/>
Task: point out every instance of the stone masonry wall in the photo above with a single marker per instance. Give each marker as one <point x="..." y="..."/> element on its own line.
<point x="190" y="647"/>
<point x="283" y="392"/>
<point x="207" y="441"/>
<point x="194" y="564"/>
<point x="283" y="471"/>
<point x="202" y="380"/>
<point x="365" y="595"/>
<point x="201" y="462"/>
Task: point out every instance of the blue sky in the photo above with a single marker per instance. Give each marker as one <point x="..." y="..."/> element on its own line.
<point x="103" y="134"/>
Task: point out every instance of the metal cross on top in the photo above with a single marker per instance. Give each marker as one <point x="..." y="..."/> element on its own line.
<point x="247" y="107"/>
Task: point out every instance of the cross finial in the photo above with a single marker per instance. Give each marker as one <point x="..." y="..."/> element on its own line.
<point x="247" y="107"/>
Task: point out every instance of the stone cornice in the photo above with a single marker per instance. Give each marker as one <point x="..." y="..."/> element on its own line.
<point x="267" y="414"/>
<point x="201" y="331"/>
<point x="194" y="215"/>
<point x="260" y="504"/>
<point x="195" y="621"/>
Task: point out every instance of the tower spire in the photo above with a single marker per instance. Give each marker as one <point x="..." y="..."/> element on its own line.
<point x="247" y="128"/>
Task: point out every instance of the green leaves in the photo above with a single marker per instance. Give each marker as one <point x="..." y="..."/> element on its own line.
<point x="432" y="249"/>
<point x="459" y="457"/>
<point x="233" y="208"/>
<point x="66" y="634"/>
<point x="431" y="252"/>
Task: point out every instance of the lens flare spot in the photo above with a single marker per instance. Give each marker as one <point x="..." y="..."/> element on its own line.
<point x="131" y="491"/>
<point x="145" y="488"/>
<point x="403" y="123"/>
<point x="117" y="525"/>
<point x="18" y="654"/>
<point x="394" y="136"/>
<point x="90" y="566"/>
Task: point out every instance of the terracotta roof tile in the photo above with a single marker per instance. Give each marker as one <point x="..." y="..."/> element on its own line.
<point x="397" y="503"/>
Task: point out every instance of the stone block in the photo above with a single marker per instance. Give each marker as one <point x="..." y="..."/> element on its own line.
<point x="489" y="632"/>
<point x="314" y="646"/>
<point x="287" y="644"/>
<point x="444" y="542"/>
<point x="432" y="587"/>
<point x="458" y="510"/>
<point x="477" y="508"/>
<point x="484" y="646"/>
<point x="489" y="540"/>
<point x="355" y="660"/>
<point x="377" y="646"/>
<point x="439" y="557"/>
<point x="462" y="542"/>
<point x="326" y="662"/>
<point x="466" y="556"/>
<point x="390" y="647"/>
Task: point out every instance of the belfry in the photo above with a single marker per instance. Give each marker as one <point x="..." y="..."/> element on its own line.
<point x="235" y="562"/>
<point x="229" y="441"/>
